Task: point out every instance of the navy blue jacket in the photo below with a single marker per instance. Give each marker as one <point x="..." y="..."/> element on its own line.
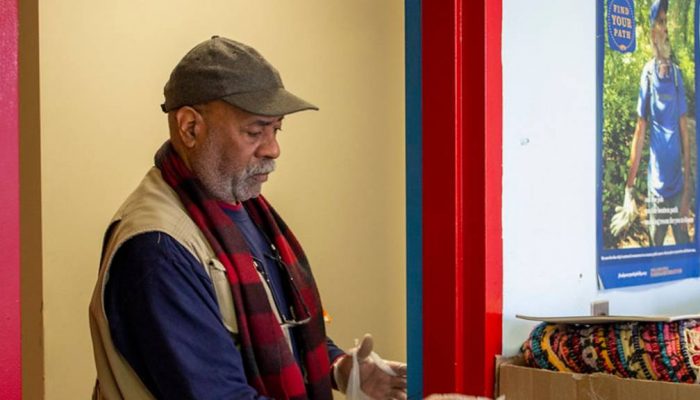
<point x="164" y="319"/>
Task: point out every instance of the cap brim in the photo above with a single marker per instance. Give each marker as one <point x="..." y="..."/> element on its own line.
<point x="270" y="102"/>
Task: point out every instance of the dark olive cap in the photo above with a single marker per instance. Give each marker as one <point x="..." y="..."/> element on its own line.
<point x="223" y="69"/>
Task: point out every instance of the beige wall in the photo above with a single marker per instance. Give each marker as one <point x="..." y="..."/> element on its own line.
<point x="340" y="181"/>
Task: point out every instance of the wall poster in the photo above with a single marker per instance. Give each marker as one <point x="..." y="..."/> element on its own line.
<point x="647" y="142"/>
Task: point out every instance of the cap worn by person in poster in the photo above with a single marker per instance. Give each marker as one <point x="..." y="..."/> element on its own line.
<point x="656" y="6"/>
<point x="223" y="69"/>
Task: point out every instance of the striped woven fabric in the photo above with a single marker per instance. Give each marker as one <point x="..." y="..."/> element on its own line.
<point x="663" y="351"/>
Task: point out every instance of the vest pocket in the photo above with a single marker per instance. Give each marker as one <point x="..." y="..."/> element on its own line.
<point x="217" y="272"/>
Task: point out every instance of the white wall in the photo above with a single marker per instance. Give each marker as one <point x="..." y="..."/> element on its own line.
<point x="549" y="175"/>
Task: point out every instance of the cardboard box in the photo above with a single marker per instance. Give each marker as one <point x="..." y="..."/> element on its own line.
<point x="518" y="382"/>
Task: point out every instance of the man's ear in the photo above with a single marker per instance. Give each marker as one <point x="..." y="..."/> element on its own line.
<point x="188" y="122"/>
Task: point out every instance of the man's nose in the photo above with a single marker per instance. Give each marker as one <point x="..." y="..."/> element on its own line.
<point x="269" y="148"/>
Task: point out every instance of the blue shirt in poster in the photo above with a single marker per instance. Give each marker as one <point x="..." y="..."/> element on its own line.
<point x="662" y="102"/>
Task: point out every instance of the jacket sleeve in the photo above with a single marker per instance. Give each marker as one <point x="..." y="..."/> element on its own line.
<point x="164" y="320"/>
<point x="333" y="351"/>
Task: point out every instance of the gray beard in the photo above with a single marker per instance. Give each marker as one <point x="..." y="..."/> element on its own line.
<point x="243" y="188"/>
<point x="231" y="189"/>
<point x="662" y="49"/>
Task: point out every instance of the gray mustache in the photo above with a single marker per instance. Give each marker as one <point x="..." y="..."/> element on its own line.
<point x="265" y="167"/>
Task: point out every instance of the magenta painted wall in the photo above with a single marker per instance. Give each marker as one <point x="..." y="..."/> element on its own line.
<point x="10" y="364"/>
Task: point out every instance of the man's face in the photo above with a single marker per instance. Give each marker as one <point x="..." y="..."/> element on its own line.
<point x="237" y="152"/>
<point x="662" y="45"/>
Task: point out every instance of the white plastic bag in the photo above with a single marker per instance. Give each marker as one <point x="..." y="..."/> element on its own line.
<point x="354" y="389"/>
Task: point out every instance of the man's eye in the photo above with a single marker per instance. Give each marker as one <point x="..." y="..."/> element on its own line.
<point x="254" y="133"/>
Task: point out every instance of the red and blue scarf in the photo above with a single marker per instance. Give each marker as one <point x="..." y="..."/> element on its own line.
<point x="269" y="363"/>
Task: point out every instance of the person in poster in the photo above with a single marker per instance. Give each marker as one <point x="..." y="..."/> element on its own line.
<point x="662" y="107"/>
<point x="647" y="66"/>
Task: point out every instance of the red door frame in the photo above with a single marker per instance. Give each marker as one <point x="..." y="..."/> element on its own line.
<point x="10" y="357"/>
<point x="462" y="246"/>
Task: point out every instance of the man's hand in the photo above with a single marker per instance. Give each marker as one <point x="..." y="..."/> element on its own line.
<point x="375" y="381"/>
<point x="624" y="215"/>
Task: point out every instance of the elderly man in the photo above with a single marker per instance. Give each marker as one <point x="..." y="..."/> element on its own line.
<point x="203" y="291"/>
<point x="662" y="105"/>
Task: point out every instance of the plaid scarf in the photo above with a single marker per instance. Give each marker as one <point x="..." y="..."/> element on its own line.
<point x="268" y="361"/>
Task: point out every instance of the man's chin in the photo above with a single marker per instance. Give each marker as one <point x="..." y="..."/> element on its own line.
<point x="664" y="49"/>
<point x="249" y="193"/>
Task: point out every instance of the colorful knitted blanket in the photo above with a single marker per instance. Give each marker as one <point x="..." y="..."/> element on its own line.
<point x="663" y="351"/>
<point x="268" y="361"/>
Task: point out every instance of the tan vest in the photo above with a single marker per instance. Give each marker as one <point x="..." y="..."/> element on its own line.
<point x="153" y="206"/>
